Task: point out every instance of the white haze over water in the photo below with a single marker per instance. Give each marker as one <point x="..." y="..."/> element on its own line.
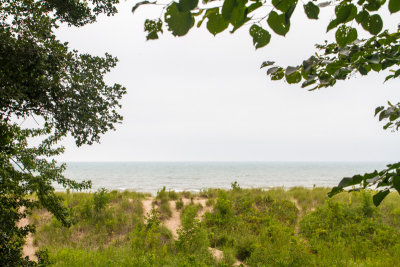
<point x="194" y="176"/>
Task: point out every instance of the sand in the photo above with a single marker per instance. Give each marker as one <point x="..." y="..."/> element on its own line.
<point x="28" y="249"/>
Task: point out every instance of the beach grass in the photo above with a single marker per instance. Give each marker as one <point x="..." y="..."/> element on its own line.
<point x="253" y="227"/>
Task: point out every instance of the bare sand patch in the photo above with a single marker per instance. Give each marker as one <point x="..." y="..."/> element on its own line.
<point x="202" y="202"/>
<point x="174" y="222"/>
<point x="147" y="206"/>
<point x="28" y="249"/>
<point x="216" y="253"/>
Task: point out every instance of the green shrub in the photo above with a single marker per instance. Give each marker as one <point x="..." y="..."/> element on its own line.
<point x="186" y="194"/>
<point x="179" y="204"/>
<point x="285" y="211"/>
<point x="223" y="211"/>
<point x="162" y="195"/>
<point x="192" y="237"/>
<point x="253" y="225"/>
<point x="235" y="186"/>
<point x="210" y="202"/>
<point x="245" y="246"/>
<point x="347" y="230"/>
<point x="172" y="195"/>
<point x="165" y="211"/>
<point x="101" y="199"/>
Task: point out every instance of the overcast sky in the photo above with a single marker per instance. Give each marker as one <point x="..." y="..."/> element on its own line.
<point x="204" y="98"/>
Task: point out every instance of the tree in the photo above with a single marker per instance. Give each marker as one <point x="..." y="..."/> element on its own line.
<point x="42" y="79"/>
<point x="338" y="60"/>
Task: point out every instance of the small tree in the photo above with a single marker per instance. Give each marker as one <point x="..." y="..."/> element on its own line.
<point x="335" y="61"/>
<point x="42" y="79"/>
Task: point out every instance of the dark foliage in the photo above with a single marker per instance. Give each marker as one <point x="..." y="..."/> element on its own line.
<point x="41" y="79"/>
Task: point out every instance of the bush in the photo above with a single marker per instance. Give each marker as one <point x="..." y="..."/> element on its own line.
<point x="192" y="238"/>
<point x="172" y="195"/>
<point x="162" y="195"/>
<point x="347" y="230"/>
<point x="245" y="247"/>
<point x="210" y="202"/>
<point x="179" y="204"/>
<point x="223" y="211"/>
<point x="101" y="199"/>
<point x="165" y="211"/>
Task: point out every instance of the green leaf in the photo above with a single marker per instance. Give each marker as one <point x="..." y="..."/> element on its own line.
<point x="333" y="67"/>
<point x="294" y="77"/>
<point x="332" y="24"/>
<point x="396" y="183"/>
<point x="260" y="36"/>
<point x="153" y="27"/>
<point x="345" y="35"/>
<point x="379" y="109"/>
<point x="349" y="181"/>
<point x="308" y="82"/>
<point x="276" y="73"/>
<point x="253" y="7"/>
<point x="216" y="23"/>
<point x="380" y="196"/>
<point x="394" y="6"/>
<point x="267" y="63"/>
<point x="309" y="63"/>
<point x="288" y="14"/>
<point x="345" y="13"/>
<point x="290" y="70"/>
<point x="312" y="10"/>
<point x="179" y="23"/>
<point x="374" y="5"/>
<point x="239" y="13"/>
<point x="207" y="14"/>
<point x="335" y="190"/>
<point x="283" y="5"/>
<point x="362" y="17"/>
<point x="375" y="24"/>
<point x="278" y="23"/>
<point x="187" y="5"/>
<point x="376" y="67"/>
<point x="235" y="12"/>
<point x="227" y="9"/>
<point x="273" y="70"/>
<point x="388" y="78"/>
<point x="382" y="115"/>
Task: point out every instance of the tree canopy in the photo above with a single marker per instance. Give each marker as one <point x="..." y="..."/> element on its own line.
<point x="42" y="79"/>
<point x="338" y="60"/>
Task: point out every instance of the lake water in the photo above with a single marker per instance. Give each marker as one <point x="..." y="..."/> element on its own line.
<point x="194" y="176"/>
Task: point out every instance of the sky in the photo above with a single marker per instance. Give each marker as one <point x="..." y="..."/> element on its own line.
<point x="204" y="98"/>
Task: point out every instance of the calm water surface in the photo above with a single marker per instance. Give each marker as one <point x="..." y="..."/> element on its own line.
<point x="194" y="176"/>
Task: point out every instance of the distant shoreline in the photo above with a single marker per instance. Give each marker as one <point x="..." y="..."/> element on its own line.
<point x="196" y="176"/>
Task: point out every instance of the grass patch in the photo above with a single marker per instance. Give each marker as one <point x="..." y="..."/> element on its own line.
<point x="255" y="226"/>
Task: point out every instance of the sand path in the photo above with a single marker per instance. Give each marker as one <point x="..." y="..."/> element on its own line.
<point x="174" y="222"/>
<point x="147" y="206"/>
<point x="28" y="249"/>
<point x="300" y="214"/>
<point x="205" y="209"/>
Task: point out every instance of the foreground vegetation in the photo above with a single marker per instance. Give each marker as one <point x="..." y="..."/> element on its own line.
<point x="253" y="227"/>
